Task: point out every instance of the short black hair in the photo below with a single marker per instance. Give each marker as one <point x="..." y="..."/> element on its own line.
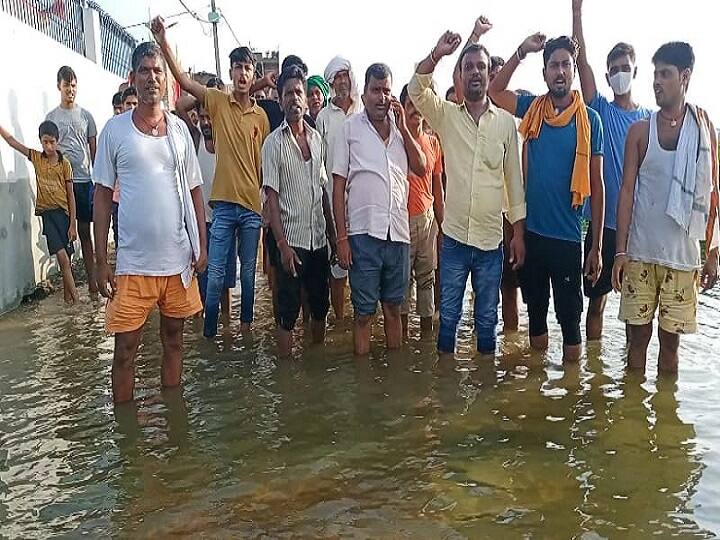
<point x="129" y="91"/>
<point x="676" y="53"/>
<point x="147" y="49"/>
<point x="242" y="55"/>
<point x="293" y="60"/>
<point x="619" y="50"/>
<point x="66" y="74"/>
<point x="50" y="129"/>
<point x="377" y="71"/>
<point x="404" y="95"/>
<point x="496" y="62"/>
<point x="450" y="90"/>
<point x="473" y="48"/>
<point x="291" y="72"/>
<point x="563" y="42"/>
<point x="117" y="99"/>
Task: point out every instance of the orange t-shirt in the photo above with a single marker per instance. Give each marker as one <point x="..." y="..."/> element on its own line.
<point x="420" y="196"/>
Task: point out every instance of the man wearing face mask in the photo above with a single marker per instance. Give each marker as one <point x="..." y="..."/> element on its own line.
<point x="617" y="116"/>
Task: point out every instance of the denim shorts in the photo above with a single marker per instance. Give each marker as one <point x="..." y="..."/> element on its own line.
<point x="380" y="271"/>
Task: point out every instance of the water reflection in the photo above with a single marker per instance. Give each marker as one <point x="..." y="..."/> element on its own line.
<point x="324" y="445"/>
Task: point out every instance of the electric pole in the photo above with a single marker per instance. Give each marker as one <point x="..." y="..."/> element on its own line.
<point x="214" y="18"/>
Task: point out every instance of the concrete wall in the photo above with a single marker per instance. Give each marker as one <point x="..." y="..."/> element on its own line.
<point x="27" y="92"/>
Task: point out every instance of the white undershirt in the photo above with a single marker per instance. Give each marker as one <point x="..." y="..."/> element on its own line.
<point x="152" y="239"/>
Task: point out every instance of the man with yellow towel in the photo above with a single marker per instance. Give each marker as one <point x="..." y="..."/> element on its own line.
<point x="562" y="162"/>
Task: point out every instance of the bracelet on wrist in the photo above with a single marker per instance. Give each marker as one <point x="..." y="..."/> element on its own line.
<point x="621" y="254"/>
<point x="432" y="56"/>
<point x="520" y="54"/>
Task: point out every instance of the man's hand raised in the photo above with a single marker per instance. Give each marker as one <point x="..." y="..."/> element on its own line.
<point x="157" y="27"/>
<point x="447" y="44"/>
<point x="482" y="26"/>
<point x="534" y="43"/>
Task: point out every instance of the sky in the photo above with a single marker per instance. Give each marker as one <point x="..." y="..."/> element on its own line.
<point x="402" y="33"/>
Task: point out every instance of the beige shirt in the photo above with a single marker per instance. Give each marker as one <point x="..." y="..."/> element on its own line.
<point x="377" y="184"/>
<point x="482" y="163"/>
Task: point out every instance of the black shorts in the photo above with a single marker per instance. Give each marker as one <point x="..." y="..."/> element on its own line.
<point x="83" y="201"/>
<point x="509" y="276"/>
<point x="559" y="262"/>
<point x="313" y="275"/>
<point x="604" y="284"/>
<point x="56" y="223"/>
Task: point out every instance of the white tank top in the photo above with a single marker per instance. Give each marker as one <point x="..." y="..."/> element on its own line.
<point x="654" y="236"/>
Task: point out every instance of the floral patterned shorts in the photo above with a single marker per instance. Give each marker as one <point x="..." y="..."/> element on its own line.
<point x="646" y="286"/>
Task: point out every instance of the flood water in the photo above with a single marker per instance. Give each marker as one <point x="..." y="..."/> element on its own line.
<point x="325" y="446"/>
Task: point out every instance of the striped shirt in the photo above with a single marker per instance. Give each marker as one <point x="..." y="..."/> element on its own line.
<point x="299" y="184"/>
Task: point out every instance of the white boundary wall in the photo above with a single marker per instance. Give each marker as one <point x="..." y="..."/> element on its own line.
<point x="28" y="90"/>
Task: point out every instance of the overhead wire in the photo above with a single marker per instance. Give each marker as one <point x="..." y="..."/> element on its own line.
<point x="193" y="13"/>
<point x="224" y="18"/>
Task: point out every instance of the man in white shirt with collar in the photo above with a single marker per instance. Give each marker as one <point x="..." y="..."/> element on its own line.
<point x="370" y="193"/>
<point x="345" y="101"/>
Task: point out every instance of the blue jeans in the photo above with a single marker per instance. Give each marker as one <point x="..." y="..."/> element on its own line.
<point x="457" y="261"/>
<point x="232" y="223"/>
<point x="230" y="272"/>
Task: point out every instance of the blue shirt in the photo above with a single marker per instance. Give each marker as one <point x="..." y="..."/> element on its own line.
<point x="616" y="123"/>
<point x="550" y="162"/>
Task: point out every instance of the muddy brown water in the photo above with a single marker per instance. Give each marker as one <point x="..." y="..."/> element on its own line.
<point x="399" y="445"/>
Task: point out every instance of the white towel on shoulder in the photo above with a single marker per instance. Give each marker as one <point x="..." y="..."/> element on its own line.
<point x="179" y="141"/>
<point x="691" y="188"/>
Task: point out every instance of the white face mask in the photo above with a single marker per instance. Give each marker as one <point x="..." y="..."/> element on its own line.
<point x="621" y="82"/>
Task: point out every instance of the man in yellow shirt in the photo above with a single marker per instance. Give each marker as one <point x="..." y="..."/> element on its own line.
<point x="240" y="127"/>
<point x="482" y="162"/>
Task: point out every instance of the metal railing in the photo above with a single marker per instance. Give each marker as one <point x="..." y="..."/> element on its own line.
<point x="62" y="20"/>
<point x="117" y="44"/>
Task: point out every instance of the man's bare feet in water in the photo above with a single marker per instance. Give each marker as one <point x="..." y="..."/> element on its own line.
<point x="93" y="290"/>
<point x="71" y="296"/>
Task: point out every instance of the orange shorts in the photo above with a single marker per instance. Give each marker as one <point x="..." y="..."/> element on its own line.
<point x="136" y="296"/>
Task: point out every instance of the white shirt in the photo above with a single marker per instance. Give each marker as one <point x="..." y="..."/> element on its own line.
<point x="377" y="184"/>
<point x="299" y="185"/>
<point x="152" y="237"/>
<point x="329" y="124"/>
<point x="207" y="163"/>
